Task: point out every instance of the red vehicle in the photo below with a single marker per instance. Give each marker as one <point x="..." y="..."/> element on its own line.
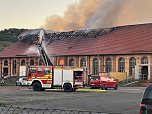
<point x="103" y="82"/>
<point x="46" y="77"/>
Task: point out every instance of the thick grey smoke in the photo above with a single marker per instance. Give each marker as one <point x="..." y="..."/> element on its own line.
<point x="106" y="14"/>
<point x="101" y="13"/>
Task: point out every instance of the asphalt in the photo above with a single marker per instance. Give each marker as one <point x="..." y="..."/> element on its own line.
<point x="125" y="100"/>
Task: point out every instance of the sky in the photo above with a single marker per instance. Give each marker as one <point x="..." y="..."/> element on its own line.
<point x="67" y="15"/>
<point x="29" y="13"/>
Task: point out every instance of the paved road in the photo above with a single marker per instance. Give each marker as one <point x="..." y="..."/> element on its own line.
<point x="124" y="100"/>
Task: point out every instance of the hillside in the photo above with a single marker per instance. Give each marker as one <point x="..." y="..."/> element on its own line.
<point x="4" y="44"/>
<point x="9" y="36"/>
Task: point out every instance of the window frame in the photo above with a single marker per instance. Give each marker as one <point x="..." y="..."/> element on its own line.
<point x="108" y="65"/>
<point x="95" y="66"/>
<point x="83" y="62"/>
<point x="121" y="64"/>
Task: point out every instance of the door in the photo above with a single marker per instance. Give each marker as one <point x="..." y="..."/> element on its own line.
<point x="58" y="77"/>
<point x="144" y="72"/>
<point x="137" y="72"/>
<point x="68" y="76"/>
<point x="5" y="71"/>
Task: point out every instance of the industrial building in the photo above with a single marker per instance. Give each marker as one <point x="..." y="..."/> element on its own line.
<point x="118" y="49"/>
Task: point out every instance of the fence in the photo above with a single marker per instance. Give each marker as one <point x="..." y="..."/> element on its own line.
<point x="17" y="110"/>
<point x="128" y="81"/>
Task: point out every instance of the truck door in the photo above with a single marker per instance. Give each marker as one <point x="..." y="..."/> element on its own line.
<point x="58" y="77"/>
<point x="40" y="72"/>
<point x="32" y="72"/>
<point x="68" y="76"/>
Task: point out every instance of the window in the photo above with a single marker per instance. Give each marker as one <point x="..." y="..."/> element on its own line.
<point x="147" y="97"/>
<point x="121" y="65"/>
<point x="5" y="62"/>
<point x="95" y="77"/>
<point x="108" y="65"/>
<point x="71" y="62"/>
<point x="78" y="75"/>
<point x="32" y="70"/>
<point x="132" y="63"/>
<point x="46" y="70"/>
<point x="95" y="66"/>
<point x="61" y="62"/>
<point x="31" y="62"/>
<point x="39" y="70"/>
<point x="144" y="60"/>
<point x="83" y="63"/>
<point x="5" y="68"/>
<point x="14" y="67"/>
<point x="22" y="62"/>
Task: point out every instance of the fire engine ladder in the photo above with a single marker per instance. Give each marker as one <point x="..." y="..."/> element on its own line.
<point x="44" y="57"/>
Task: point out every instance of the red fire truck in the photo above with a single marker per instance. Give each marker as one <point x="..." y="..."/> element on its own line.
<point x="49" y="76"/>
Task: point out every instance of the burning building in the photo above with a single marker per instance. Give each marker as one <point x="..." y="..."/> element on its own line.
<point x="118" y="49"/>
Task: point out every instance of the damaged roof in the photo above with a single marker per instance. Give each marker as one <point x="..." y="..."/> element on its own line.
<point x="130" y="39"/>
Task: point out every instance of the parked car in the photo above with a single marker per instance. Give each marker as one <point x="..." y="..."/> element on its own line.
<point x="103" y="82"/>
<point x="22" y="81"/>
<point x="146" y="102"/>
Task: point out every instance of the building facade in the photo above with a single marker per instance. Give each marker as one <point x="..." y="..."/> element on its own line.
<point x="121" y="49"/>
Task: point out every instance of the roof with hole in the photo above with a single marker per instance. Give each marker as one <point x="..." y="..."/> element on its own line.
<point x="130" y="39"/>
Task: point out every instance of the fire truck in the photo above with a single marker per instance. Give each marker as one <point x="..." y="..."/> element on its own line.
<point x="50" y="76"/>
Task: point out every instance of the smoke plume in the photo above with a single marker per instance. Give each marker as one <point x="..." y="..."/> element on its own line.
<point x="101" y="13"/>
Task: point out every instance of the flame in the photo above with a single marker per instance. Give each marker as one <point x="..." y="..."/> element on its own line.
<point x="101" y="13"/>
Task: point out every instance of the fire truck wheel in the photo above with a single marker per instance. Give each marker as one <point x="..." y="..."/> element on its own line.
<point x="37" y="86"/>
<point x="67" y="87"/>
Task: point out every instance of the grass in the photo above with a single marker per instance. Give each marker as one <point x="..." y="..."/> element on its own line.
<point x="3" y="103"/>
<point x="90" y="90"/>
<point x="82" y="90"/>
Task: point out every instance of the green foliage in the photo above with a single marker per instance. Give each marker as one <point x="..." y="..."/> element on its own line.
<point x="8" y="36"/>
<point x="4" y="44"/>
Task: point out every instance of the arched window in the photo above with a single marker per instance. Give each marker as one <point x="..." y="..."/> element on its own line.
<point x="31" y="62"/>
<point x="22" y="62"/>
<point x="71" y="62"/>
<point x="95" y="66"/>
<point x="14" y="67"/>
<point x="5" y="62"/>
<point x="61" y="62"/>
<point x="5" y="68"/>
<point x="132" y="63"/>
<point x="82" y="62"/>
<point x="108" y="65"/>
<point x="121" y="65"/>
<point x="144" y="60"/>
